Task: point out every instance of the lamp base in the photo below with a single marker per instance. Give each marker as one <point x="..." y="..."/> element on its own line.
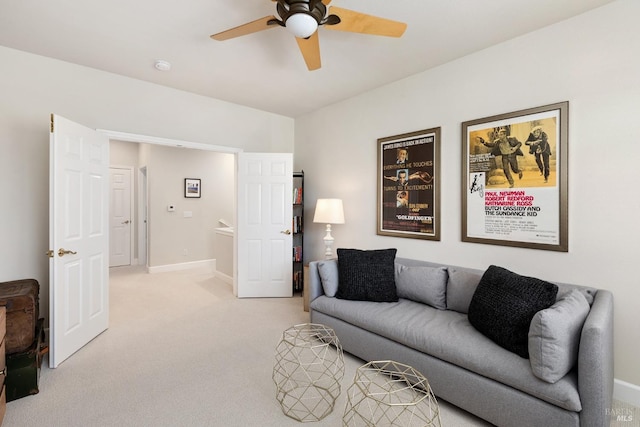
<point x="328" y="243"/>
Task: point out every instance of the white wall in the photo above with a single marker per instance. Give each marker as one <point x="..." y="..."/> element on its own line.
<point x="174" y="238"/>
<point x="32" y="87"/>
<point x="591" y="61"/>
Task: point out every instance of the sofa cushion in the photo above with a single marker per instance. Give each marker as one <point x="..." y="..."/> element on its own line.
<point x="504" y="304"/>
<point x="446" y="335"/>
<point x="367" y="275"/>
<point x="328" y="271"/>
<point x="554" y="336"/>
<point x="460" y="289"/>
<point x="423" y="284"/>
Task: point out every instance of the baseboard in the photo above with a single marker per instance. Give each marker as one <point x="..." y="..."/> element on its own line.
<point x="223" y="277"/>
<point x="206" y="263"/>
<point x="626" y="392"/>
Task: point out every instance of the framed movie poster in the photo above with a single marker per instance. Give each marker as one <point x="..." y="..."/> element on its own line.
<point x="408" y="185"/>
<point x="514" y="183"/>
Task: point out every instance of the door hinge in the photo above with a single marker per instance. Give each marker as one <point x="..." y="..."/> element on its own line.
<point x="51" y="122"/>
<point x="49" y="253"/>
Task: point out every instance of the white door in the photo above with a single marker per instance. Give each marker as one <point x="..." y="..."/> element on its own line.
<point x="264" y="262"/>
<point x="142" y="216"/>
<point x="120" y="217"/>
<point x="78" y="237"/>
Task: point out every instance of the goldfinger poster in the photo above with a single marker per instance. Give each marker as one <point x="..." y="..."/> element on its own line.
<point x="408" y="185"/>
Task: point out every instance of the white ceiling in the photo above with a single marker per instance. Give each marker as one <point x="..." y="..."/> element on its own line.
<point x="265" y="70"/>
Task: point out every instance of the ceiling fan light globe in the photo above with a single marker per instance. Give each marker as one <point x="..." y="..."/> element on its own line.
<point x="301" y="25"/>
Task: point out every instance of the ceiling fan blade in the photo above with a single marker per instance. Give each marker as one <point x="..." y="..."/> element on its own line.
<point x="243" y="30"/>
<point x="357" y="22"/>
<point x="310" y="48"/>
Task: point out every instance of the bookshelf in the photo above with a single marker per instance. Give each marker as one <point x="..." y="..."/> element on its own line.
<point x="298" y="230"/>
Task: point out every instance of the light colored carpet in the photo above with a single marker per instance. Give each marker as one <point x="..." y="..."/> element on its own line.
<point x="180" y="351"/>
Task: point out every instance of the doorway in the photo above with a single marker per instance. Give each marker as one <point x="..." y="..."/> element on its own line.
<point x="181" y="228"/>
<point x="142" y="203"/>
<point x="248" y="193"/>
<point x="120" y="216"/>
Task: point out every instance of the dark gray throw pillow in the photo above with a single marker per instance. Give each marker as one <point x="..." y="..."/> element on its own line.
<point x="504" y="304"/>
<point x="367" y="275"/>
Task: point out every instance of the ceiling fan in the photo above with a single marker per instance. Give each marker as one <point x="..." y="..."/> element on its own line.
<point x="303" y="17"/>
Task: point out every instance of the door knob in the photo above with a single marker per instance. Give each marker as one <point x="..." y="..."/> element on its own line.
<point x="63" y="252"/>
<point x="126" y="222"/>
<point x="287" y="232"/>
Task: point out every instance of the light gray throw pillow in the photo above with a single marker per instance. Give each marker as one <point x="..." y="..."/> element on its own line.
<point x="554" y="336"/>
<point x="460" y="289"/>
<point x="423" y="284"/>
<point x="328" y="271"/>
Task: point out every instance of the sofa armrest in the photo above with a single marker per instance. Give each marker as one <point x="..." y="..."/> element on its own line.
<point x="315" y="283"/>
<point x="595" y="362"/>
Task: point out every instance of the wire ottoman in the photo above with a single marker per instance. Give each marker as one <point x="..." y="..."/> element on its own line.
<point x="388" y="393"/>
<point x="308" y="370"/>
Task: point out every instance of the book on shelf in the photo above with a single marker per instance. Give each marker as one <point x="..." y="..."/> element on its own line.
<point x="297" y="280"/>
<point x="297" y="196"/>
<point x="297" y="224"/>
<point x="297" y="253"/>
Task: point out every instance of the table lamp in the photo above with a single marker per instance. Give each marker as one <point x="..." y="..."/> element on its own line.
<point x="329" y="211"/>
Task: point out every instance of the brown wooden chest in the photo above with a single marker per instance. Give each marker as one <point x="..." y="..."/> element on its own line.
<point x="23" y="368"/>
<point x="21" y="298"/>
<point x="3" y="372"/>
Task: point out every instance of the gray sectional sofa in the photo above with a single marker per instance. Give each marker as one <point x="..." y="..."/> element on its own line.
<point x="464" y="366"/>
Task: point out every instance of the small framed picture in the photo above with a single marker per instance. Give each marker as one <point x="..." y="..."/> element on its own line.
<point x="192" y="188"/>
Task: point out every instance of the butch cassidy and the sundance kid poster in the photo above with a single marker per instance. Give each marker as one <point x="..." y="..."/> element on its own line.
<point x="515" y="176"/>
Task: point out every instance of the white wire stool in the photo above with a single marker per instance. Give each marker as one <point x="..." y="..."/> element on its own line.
<point x="388" y="393"/>
<point x="308" y="371"/>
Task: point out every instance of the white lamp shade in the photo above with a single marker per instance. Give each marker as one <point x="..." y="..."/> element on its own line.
<point x="301" y="25"/>
<point x="329" y="211"/>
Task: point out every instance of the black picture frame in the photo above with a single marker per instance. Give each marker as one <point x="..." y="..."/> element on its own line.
<point x="408" y="201"/>
<point x="192" y="188"/>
